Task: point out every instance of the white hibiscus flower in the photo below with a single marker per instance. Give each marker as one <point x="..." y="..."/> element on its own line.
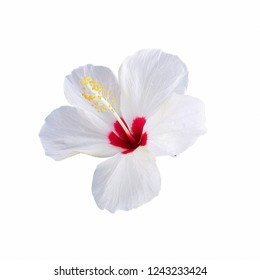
<point x="143" y="115"/>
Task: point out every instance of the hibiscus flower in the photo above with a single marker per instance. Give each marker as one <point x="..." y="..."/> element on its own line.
<point x="141" y="115"/>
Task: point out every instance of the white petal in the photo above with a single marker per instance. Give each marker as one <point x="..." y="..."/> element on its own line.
<point x="176" y="125"/>
<point x="147" y="79"/>
<point x="73" y="88"/>
<point x="68" y="131"/>
<point x="126" y="181"/>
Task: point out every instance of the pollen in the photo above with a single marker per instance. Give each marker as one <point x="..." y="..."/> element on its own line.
<point x="100" y="98"/>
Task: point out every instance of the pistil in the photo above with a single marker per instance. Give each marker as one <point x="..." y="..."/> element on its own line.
<point x="102" y="101"/>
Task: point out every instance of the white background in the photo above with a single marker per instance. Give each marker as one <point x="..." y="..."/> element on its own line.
<point x="208" y="209"/>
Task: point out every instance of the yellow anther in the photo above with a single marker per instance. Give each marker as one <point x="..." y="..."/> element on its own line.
<point x="112" y="100"/>
<point x="100" y="98"/>
<point x="95" y="104"/>
<point x="88" y="96"/>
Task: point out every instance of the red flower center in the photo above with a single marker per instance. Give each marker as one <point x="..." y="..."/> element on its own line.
<point x="122" y="140"/>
